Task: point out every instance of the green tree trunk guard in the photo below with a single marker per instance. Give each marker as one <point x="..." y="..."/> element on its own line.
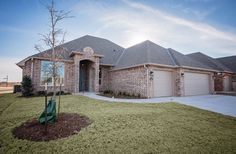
<point x="51" y="113"/>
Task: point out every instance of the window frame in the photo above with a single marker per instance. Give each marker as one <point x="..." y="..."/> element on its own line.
<point x="52" y="81"/>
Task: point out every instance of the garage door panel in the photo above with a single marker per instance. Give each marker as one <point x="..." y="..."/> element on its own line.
<point x="162" y="83"/>
<point x="196" y="84"/>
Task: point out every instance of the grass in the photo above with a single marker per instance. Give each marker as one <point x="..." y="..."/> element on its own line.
<point x="122" y="128"/>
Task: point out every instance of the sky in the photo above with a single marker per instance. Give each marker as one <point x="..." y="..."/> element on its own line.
<point x="207" y="26"/>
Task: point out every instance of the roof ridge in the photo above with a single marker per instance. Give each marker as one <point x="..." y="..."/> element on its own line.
<point x="118" y="60"/>
<point x="173" y="59"/>
<point x="225" y="57"/>
<point x="147" y="48"/>
<point x="211" y="59"/>
<point x="215" y="62"/>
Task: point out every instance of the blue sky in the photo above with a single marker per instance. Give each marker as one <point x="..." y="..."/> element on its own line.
<point x="208" y="26"/>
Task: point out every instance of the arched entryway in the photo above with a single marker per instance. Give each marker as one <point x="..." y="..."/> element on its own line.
<point x="86" y="76"/>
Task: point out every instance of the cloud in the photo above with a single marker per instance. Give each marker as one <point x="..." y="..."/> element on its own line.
<point x="8" y="67"/>
<point x="133" y="22"/>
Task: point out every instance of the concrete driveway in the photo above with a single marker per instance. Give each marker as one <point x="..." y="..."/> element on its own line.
<point x="216" y="103"/>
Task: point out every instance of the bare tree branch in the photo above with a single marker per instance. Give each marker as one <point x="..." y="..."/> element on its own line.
<point x="53" y="41"/>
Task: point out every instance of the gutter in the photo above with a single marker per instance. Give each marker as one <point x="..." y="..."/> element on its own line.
<point x="168" y="66"/>
<point x="139" y="65"/>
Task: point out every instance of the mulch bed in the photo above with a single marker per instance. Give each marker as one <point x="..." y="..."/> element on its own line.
<point x="66" y="125"/>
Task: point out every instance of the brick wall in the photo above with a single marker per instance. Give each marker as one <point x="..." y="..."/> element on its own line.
<point x="105" y="80"/>
<point x="27" y="68"/>
<point x="132" y="81"/>
<point x="218" y="83"/>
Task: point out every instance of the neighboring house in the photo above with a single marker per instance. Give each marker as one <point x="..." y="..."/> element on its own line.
<point x="146" y="69"/>
<point x="230" y="62"/>
<point x="222" y="79"/>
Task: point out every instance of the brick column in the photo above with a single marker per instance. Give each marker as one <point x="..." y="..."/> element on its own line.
<point x="212" y="85"/>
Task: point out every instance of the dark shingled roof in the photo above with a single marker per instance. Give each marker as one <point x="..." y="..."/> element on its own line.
<point x="108" y="49"/>
<point x="183" y="60"/>
<point x="230" y="62"/>
<point x="209" y="61"/>
<point x="145" y="52"/>
<point x="149" y="52"/>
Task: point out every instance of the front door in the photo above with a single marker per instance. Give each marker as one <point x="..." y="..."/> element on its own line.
<point x="83" y="77"/>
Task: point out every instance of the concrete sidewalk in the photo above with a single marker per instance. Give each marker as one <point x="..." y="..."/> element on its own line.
<point x="216" y="103"/>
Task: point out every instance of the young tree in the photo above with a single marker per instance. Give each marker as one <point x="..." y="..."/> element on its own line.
<point x="27" y="88"/>
<point x="54" y="40"/>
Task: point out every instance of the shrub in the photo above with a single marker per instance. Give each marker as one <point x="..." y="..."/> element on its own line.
<point x="42" y="93"/>
<point x="108" y="92"/>
<point x="139" y="95"/>
<point x="27" y="88"/>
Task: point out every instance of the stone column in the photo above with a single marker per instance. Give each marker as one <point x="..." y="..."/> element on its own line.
<point x="77" y="65"/>
<point x="96" y="78"/>
<point x="179" y="82"/>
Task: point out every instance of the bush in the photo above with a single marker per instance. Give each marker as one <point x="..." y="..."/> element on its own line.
<point x="62" y="93"/>
<point x="27" y="88"/>
<point x="17" y="88"/>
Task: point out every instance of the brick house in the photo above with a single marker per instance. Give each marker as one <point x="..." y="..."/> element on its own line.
<point x="148" y="70"/>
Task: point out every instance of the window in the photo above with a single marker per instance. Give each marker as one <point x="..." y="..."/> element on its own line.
<point x="100" y="76"/>
<point x="47" y="73"/>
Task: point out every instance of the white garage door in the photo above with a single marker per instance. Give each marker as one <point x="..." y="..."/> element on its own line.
<point x="162" y="83"/>
<point x="196" y="84"/>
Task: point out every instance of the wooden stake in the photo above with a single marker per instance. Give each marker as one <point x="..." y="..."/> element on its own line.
<point x="46" y="99"/>
<point x="59" y="101"/>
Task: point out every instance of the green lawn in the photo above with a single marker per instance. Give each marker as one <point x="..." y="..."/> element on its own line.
<point x="122" y="127"/>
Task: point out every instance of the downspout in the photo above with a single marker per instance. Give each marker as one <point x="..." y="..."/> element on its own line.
<point x="32" y="68"/>
<point x="147" y="79"/>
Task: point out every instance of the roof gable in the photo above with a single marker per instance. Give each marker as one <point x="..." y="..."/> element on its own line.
<point x="143" y="53"/>
<point x="183" y="60"/>
<point x="209" y="61"/>
<point x="230" y="62"/>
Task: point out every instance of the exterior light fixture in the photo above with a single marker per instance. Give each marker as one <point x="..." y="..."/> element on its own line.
<point x="151" y="73"/>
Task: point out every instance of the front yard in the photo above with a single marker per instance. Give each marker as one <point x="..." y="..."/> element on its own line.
<point x="122" y="127"/>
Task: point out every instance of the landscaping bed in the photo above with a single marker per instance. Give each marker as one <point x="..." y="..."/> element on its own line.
<point x="67" y="124"/>
<point x="123" y="95"/>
